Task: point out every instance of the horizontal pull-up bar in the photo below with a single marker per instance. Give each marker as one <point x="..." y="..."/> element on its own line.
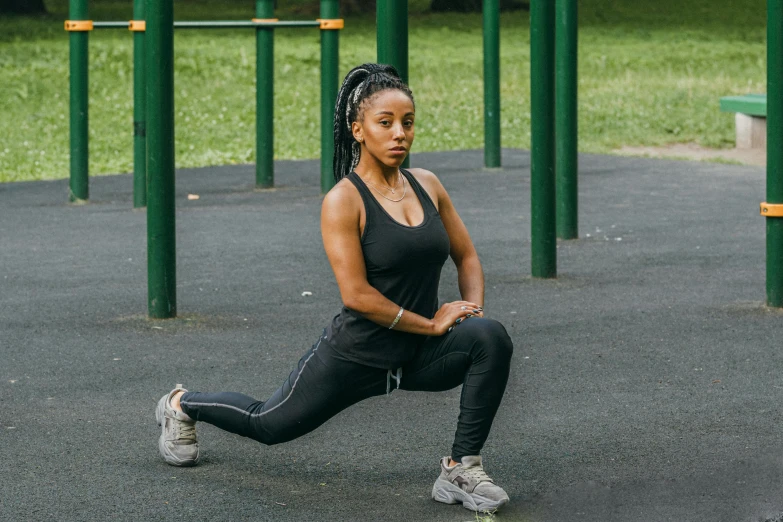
<point x="139" y="25"/>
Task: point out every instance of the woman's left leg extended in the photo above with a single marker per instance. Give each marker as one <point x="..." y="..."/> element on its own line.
<point x="323" y="384"/>
<point x="476" y="354"/>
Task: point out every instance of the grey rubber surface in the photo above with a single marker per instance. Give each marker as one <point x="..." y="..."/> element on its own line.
<point x="646" y="381"/>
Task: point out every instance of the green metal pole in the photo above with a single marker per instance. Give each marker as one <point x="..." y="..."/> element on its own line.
<point x="392" y="34"/>
<point x="565" y="119"/>
<point x="330" y="81"/>
<point x="161" y="246"/>
<point x="392" y="37"/>
<point x="139" y="112"/>
<point x="491" y="83"/>
<point x="774" y="150"/>
<point x="79" y="63"/>
<point x="542" y="154"/>
<point x="265" y="97"/>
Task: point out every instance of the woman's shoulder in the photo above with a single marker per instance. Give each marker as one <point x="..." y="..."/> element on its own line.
<point x="343" y="189"/>
<point x="343" y="198"/>
<point x="423" y="175"/>
<point x="429" y="181"/>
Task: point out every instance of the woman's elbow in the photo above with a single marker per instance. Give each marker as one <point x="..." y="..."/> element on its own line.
<point x="354" y="301"/>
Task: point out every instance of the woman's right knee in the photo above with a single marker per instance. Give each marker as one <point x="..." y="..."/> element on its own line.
<point x="489" y="335"/>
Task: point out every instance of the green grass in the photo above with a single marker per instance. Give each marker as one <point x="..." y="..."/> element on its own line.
<point x="650" y="74"/>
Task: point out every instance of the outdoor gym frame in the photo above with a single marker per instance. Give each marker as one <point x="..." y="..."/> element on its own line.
<point x="553" y="150"/>
<point x="79" y="27"/>
<point x="553" y="77"/>
<point x="154" y="117"/>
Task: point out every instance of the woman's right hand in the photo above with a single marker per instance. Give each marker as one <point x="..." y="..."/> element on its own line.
<point x="451" y="314"/>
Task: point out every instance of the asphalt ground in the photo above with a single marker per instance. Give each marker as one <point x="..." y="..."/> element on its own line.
<point x="645" y="384"/>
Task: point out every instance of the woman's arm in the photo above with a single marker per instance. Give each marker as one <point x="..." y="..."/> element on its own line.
<point x="470" y="275"/>
<point x="340" y="215"/>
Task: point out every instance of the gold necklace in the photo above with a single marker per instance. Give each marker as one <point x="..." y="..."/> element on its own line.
<point x="404" y="191"/>
<point x="399" y="180"/>
<point x="392" y="189"/>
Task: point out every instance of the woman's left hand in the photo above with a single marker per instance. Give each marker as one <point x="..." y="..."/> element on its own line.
<point x="478" y="312"/>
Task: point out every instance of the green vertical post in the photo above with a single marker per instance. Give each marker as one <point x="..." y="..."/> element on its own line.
<point x="330" y="80"/>
<point x="491" y="83"/>
<point x="79" y="188"/>
<point x="392" y="38"/>
<point x="542" y="154"/>
<point x="566" y="119"/>
<point x="265" y="97"/>
<point x="139" y="112"/>
<point x="392" y="34"/>
<point x="161" y="246"/>
<point x="774" y="150"/>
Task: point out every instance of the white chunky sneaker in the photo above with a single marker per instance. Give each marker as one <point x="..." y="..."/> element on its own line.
<point x="468" y="484"/>
<point x="177" y="443"/>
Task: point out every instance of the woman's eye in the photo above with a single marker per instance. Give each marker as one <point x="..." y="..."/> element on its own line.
<point x="384" y="122"/>
<point x="409" y="123"/>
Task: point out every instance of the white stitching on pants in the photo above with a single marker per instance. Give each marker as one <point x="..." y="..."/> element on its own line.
<point x="240" y="410"/>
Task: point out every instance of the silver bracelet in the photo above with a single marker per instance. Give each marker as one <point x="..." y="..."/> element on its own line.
<point x="397" y="319"/>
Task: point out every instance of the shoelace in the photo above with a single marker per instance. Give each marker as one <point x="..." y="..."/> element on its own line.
<point x="185" y="431"/>
<point x="477" y="473"/>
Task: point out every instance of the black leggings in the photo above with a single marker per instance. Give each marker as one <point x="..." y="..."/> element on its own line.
<point x="476" y="354"/>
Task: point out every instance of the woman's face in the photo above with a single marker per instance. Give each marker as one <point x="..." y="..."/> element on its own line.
<point x="386" y="127"/>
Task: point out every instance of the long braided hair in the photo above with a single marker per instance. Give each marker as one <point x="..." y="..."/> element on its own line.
<point x="360" y="84"/>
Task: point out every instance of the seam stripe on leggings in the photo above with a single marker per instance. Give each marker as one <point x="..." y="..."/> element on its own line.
<point x="477" y="355"/>
<point x="240" y="410"/>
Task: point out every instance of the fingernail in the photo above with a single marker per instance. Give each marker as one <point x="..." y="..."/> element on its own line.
<point x="469" y="315"/>
<point x="477" y="311"/>
<point x="450" y="329"/>
<point x="458" y="320"/>
<point x="481" y="308"/>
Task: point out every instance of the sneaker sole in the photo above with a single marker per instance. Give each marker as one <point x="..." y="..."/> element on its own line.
<point x="170" y="459"/>
<point x="446" y="492"/>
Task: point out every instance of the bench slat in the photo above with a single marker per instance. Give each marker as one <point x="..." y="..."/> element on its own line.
<point x="752" y="104"/>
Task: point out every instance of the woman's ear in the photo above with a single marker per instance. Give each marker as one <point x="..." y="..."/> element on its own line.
<point x="358" y="132"/>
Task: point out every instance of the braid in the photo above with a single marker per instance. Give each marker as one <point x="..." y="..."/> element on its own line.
<point x="359" y="84"/>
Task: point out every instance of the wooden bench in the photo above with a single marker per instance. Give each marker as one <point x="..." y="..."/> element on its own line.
<point x="750" y="119"/>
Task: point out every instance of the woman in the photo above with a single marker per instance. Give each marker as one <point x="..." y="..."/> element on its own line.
<point x="387" y="233"/>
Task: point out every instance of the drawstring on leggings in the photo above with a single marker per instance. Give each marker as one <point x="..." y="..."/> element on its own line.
<point x="397" y="378"/>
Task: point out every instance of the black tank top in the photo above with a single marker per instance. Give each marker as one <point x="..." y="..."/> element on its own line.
<point x="404" y="264"/>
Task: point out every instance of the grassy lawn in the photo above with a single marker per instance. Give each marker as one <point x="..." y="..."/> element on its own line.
<point x="650" y="74"/>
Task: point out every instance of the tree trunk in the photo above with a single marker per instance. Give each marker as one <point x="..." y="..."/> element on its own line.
<point x="22" y="7"/>
<point x="474" y="6"/>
